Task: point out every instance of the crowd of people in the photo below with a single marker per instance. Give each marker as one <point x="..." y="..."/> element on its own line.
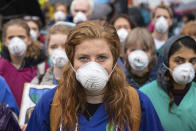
<point x="110" y="69"/>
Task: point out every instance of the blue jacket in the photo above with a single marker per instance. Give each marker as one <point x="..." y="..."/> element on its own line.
<point x="39" y="120"/>
<point x="6" y="96"/>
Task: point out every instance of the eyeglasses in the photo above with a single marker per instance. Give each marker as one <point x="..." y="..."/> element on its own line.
<point x="35" y="18"/>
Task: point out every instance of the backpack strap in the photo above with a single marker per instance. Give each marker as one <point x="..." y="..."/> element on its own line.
<point x="55" y="113"/>
<point x="135" y="109"/>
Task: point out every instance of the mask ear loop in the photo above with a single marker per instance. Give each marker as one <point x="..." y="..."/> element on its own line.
<point x="167" y="67"/>
<point x="112" y="70"/>
<point x="72" y="67"/>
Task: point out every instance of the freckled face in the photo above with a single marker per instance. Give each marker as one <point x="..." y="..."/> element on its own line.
<point x="96" y="50"/>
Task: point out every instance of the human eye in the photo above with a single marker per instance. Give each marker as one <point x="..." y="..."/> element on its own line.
<point x="53" y="46"/>
<point x="179" y="60"/>
<point x="10" y="37"/>
<point x="102" y="58"/>
<point x="193" y="61"/>
<point x="83" y="58"/>
<point x="21" y="37"/>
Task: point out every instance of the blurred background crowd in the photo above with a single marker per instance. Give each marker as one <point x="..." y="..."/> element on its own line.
<point x="41" y="26"/>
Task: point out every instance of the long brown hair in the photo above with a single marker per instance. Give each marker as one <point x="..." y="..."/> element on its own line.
<point x="72" y="95"/>
<point x="34" y="49"/>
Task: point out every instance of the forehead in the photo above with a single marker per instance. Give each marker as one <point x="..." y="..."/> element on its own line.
<point x="121" y="21"/>
<point x="81" y="5"/>
<point x="161" y="12"/>
<point x="14" y="30"/>
<point x="184" y="52"/>
<point x="32" y="24"/>
<point x="56" y="38"/>
<point x="60" y="7"/>
<point x="94" y="46"/>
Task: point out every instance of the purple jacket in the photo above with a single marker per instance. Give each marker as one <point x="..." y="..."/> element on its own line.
<point x="16" y="78"/>
<point x="7" y="120"/>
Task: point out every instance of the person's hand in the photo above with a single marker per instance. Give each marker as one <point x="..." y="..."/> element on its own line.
<point x="23" y="127"/>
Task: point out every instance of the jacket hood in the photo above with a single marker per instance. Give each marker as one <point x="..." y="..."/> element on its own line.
<point x="165" y="57"/>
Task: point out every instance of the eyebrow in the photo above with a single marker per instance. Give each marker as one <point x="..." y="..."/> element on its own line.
<point x="179" y="57"/>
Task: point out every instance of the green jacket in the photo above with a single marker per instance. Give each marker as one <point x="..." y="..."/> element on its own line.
<point x="182" y="117"/>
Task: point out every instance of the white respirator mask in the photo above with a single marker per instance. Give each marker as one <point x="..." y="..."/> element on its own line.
<point x="17" y="46"/>
<point x="183" y="73"/>
<point x="122" y="34"/>
<point x="59" y="16"/>
<point x="92" y="76"/>
<point x="58" y="58"/>
<point x="34" y="35"/>
<point x="161" y="25"/>
<point x="80" y="17"/>
<point x="138" y="60"/>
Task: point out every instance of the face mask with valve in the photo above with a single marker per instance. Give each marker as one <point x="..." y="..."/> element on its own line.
<point x="80" y="17"/>
<point x="122" y="34"/>
<point x="183" y="73"/>
<point x="58" y="58"/>
<point x="161" y="25"/>
<point x="17" y="46"/>
<point x="92" y="76"/>
<point x="138" y="60"/>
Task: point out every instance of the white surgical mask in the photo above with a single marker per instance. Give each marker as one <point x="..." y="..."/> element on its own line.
<point x="80" y="17"/>
<point x="122" y="34"/>
<point x="59" y="16"/>
<point x="17" y="46"/>
<point x="138" y="60"/>
<point x="161" y="25"/>
<point x="92" y="76"/>
<point x="58" y="58"/>
<point x="184" y="73"/>
<point x="34" y="34"/>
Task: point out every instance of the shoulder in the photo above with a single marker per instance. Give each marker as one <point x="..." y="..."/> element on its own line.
<point x="150" y="120"/>
<point x="46" y="99"/>
<point x="144" y="100"/>
<point x="40" y="116"/>
<point x="149" y="87"/>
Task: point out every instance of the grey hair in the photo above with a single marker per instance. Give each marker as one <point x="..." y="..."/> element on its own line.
<point x="90" y="2"/>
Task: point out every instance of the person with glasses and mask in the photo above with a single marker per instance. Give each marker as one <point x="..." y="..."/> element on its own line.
<point x="93" y="93"/>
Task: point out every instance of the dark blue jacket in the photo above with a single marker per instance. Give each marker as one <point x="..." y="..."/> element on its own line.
<point x="39" y="120"/>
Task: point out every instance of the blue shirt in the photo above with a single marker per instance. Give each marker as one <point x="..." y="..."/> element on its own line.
<point x="6" y="96"/>
<point x="39" y="120"/>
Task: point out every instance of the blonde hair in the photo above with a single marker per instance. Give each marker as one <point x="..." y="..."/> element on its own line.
<point x="165" y="7"/>
<point x="62" y="29"/>
<point x="189" y="29"/>
<point x="72" y="95"/>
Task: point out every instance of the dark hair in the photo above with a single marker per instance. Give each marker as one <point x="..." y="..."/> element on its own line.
<point x="187" y="42"/>
<point x="125" y="16"/>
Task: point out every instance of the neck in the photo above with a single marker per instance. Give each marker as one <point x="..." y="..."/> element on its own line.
<point x="95" y="97"/>
<point x="178" y="86"/>
<point x="159" y="36"/>
<point x="16" y="60"/>
<point x="58" y="72"/>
